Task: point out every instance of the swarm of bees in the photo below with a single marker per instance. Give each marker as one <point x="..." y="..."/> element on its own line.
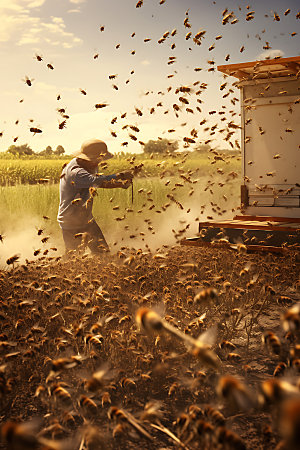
<point x="100" y="340"/>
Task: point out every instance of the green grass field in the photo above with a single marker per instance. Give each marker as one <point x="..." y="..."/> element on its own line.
<point x="169" y="199"/>
<point x="31" y="171"/>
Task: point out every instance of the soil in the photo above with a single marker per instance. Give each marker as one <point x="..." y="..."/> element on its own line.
<point x="65" y="319"/>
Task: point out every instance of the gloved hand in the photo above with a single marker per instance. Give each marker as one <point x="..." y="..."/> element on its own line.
<point x="125" y="175"/>
<point x="126" y="184"/>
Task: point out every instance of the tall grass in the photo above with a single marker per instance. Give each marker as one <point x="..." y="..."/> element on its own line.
<point x="151" y="216"/>
<point x="33" y="171"/>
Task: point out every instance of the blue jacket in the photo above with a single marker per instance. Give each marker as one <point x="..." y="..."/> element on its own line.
<point x="76" y="202"/>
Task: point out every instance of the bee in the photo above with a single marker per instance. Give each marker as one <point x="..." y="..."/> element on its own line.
<point x="279" y="369"/>
<point x="274" y="391"/>
<point x="50" y="66"/>
<point x="97" y="381"/>
<point x="202" y="427"/>
<point x="229" y="439"/>
<point x="21" y="435"/>
<point x="95" y="340"/>
<point x="138" y="111"/>
<point x="289" y="419"/>
<point x="12" y="259"/>
<point x="35" y="130"/>
<point x="139" y="4"/>
<point x="96" y="55"/>
<point x="100" y="105"/>
<point x="128" y="383"/>
<point x="234" y="357"/>
<point x="215" y="415"/>
<point x="235" y="392"/>
<point x="28" y="81"/>
<point x="63" y="363"/>
<point x="291" y="319"/>
<point x="61" y="394"/>
<point x="226" y="345"/>
<point x="101" y="28"/>
<point x="272" y="342"/>
<point x="105" y="399"/>
<point x="37" y="252"/>
<point x="38" y="57"/>
<point x="62" y="124"/>
<point x="122" y="416"/>
<point x="83" y="92"/>
<point x="206" y="294"/>
<point x="45" y="239"/>
<point x="88" y="404"/>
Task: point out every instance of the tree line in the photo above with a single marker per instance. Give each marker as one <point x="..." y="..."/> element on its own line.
<point x="158" y="146"/>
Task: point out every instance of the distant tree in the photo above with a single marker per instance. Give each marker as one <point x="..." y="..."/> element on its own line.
<point x="161" y="146"/>
<point x="202" y="148"/>
<point x="47" y="152"/>
<point x="59" y="150"/>
<point x="19" y="150"/>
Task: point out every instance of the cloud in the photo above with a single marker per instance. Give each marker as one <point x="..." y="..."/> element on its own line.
<point x="20" y="26"/>
<point x="270" y="54"/>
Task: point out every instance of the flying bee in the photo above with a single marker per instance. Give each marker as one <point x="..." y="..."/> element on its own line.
<point x="35" y="130"/>
<point x="38" y="57"/>
<point x="62" y="124"/>
<point x="235" y="392"/>
<point x="139" y="4"/>
<point x="28" y="81"/>
<point x="45" y="239"/>
<point x="83" y="92"/>
<point x="97" y="381"/>
<point x="50" y="66"/>
<point x="100" y="105"/>
<point x="138" y="111"/>
<point x="12" y="259"/>
<point x="272" y="342"/>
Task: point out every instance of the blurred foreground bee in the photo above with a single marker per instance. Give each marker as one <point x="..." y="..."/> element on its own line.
<point x="151" y="322"/>
<point x="235" y="392"/>
<point x="291" y="319"/>
<point x="121" y="415"/>
<point x="97" y="381"/>
<point x="274" y="391"/>
<point x="272" y="342"/>
<point x="206" y="294"/>
<point x="289" y="422"/>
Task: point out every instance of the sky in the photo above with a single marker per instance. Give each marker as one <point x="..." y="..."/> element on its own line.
<point x="131" y="59"/>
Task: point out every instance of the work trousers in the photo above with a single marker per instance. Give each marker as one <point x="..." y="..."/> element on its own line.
<point x="89" y="235"/>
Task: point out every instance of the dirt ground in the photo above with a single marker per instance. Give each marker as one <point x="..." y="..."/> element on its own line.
<point x="77" y="371"/>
